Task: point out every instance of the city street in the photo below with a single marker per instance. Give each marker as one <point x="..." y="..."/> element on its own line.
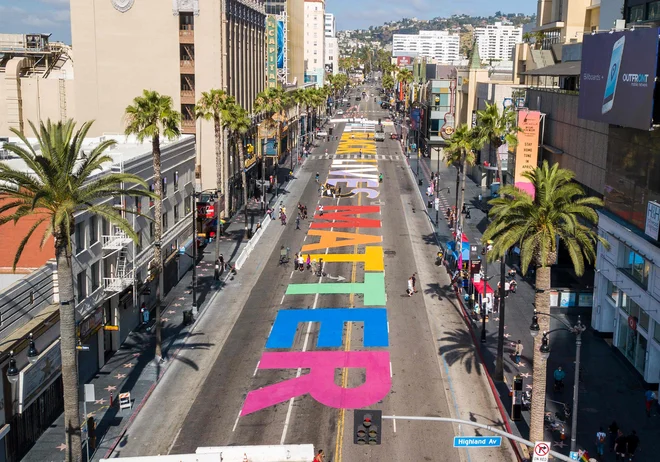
<point x="208" y="397"/>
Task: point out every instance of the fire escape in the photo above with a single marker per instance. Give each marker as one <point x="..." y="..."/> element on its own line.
<point x="116" y="262"/>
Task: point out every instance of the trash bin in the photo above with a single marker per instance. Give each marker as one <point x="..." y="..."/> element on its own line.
<point x="421" y="182"/>
<point x="188" y="317"/>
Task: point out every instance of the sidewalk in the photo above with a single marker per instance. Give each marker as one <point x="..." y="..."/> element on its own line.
<point x="609" y="390"/>
<point x="132" y="368"/>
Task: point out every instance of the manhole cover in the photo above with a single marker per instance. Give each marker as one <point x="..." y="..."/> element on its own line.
<point x="390" y="252"/>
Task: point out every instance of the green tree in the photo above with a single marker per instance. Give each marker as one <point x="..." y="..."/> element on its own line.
<point x="211" y="106"/>
<point x="63" y="181"/>
<point x="388" y="82"/>
<point x="405" y="77"/>
<point x="539" y="38"/>
<point x="460" y="153"/>
<point x="236" y="121"/>
<point x="558" y="211"/>
<point x="498" y="128"/>
<point x="150" y="117"/>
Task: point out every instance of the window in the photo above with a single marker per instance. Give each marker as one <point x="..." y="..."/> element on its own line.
<point x="164" y="222"/>
<point x="138" y="204"/>
<point x="636" y="266"/>
<point x="656" y="331"/>
<point x="138" y="248"/>
<point x="636" y="13"/>
<point x="176" y="180"/>
<point x="95" y="276"/>
<point x="80" y="237"/>
<point x="105" y="227"/>
<point x="613" y="292"/>
<point x="163" y="182"/>
<point x="186" y="21"/>
<point x="81" y="286"/>
<point x="654" y="10"/>
<point x="152" y="189"/>
<point x="176" y="213"/>
<point x="188" y="204"/>
<point x="93" y="230"/>
<point x="152" y="231"/>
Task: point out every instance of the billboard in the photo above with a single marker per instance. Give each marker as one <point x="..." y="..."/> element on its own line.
<point x="280" y="44"/>
<point x="403" y="61"/>
<point x="271" y="51"/>
<point x="527" y="150"/>
<point x="652" y="228"/>
<point x="618" y="77"/>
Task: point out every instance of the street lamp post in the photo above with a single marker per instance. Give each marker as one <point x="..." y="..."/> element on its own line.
<point x="499" y="362"/>
<point x="577" y="330"/>
<point x="484" y="251"/>
<point x="194" y="251"/>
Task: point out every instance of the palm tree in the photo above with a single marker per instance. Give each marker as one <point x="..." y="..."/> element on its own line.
<point x="460" y="152"/>
<point x="298" y="96"/>
<point x="405" y="77"/>
<point x="559" y="209"/>
<point x="498" y="128"/>
<point x="210" y="107"/>
<point x="59" y="186"/>
<point x="273" y="102"/>
<point x="539" y="37"/>
<point x="237" y="122"/>
<point x="150" y="117"/>
<point x="388" y="82"/>
<point x="527" y="37"/>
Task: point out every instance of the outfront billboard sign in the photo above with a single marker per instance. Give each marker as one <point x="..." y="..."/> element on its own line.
<point x="618" y="77"/>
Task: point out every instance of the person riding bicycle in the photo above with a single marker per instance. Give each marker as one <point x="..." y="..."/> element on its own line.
<point x="559" y="378"/>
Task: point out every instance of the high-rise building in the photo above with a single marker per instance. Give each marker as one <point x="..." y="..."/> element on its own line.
<point x="314" y="41"/>
<point x="330" y="26"/>
<point x="565" y="21"/>
<point x="441" y="45"/>
<point x="497" y="41"/>
<point x="180" y="48"/>
<point x="331" y="58"/>
<point x="293" y="12"/>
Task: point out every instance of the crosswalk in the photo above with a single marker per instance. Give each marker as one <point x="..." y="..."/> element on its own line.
<point x="392" y="157"/>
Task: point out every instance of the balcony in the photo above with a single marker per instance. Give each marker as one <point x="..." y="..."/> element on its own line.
<point x="188" y="126"/>
<point x="118" y="284"/>
<point x="116" y="241"/>
<point x="187" y="36"/>
<point x="187" y="96"/>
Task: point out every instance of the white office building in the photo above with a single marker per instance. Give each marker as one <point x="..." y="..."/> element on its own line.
<point x="441" y="45"/>
<point x="330" y="26"/>
<point x="331" y="59"/>
<point x="627" y="291"/>
<point x="497" y="41"/>
<point x="314" y="41"/>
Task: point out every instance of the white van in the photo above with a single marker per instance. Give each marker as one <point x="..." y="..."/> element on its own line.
<point x="379" y="136"/>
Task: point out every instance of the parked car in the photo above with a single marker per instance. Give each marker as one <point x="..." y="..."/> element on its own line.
<point x="379" y="136"/>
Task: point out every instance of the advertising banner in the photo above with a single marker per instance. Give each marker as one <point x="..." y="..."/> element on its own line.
<point x="403" y="61"/>
<point x="527" y="150"/>
<point x="271" y="51"/>
<point x="618" y="77"/>
<point x="280" y="44"/>
<point x="652" y="228"/>
<point x="329" y="68"/>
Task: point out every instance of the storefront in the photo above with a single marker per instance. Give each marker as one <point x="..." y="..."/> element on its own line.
<point x="626" y="299"/>
<point x="90" y="336"/>
<point x="128" y="316"/>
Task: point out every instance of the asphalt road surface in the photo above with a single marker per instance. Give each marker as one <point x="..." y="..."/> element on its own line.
<point x="212" y="397"/>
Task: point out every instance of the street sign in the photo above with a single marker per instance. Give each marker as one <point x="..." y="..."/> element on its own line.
<point x="541" y="451"/>
<point x="477" y="441"/>
<point x="437" y="203"/>
<point x="90" y="396"/>
<point x="574" y="455"/>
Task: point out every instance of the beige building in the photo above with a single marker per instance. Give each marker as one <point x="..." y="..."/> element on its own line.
<point x="36" y="81"/>
<point x="565" y="21"/>
<point x="315" y="41"/>
<point x="179" y="48"/>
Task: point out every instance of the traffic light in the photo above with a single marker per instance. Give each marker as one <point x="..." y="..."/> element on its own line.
<point x="367" y="425"/>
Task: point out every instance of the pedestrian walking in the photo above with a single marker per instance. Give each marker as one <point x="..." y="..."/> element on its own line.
<point x="320" y="210"/>
<point x="620" y="446"/>
<point x="518" y="352"/>
<point x="309" y="262"/>
<point x="414" y="282"/>
<point x="649" y="398"/>
<point x="410" y="290"/>
<point x="320" y="457"/>
<point x="600" y="441"/>
<point x="298" y="222"/>
<point x="305" y="212"/>
<point x="632" y="442"/>
<point x="216" y="273"/>
<point x="295" y="262"/>
<point x="301" y="263"/>
<point x="222" y="262"/>
<point x="613" y="430"/>
<point x="507" y="288"/>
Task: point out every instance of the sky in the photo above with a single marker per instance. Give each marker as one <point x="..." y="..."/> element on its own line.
<point x="52" y="16"/>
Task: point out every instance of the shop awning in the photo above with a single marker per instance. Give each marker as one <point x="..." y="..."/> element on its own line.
<point x="479" y="287"/>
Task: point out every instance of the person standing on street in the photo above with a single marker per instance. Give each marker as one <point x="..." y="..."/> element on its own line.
<point x="649" y="397"/>
<point x="414" y="282"/>
<point x="632" y="441"/>
<point x="600" y="441"/>
<point x="613" y="430"/>
<point x="620" y="447"/>
<point x="320" y="457"/>
<point x="410" y="290"/>
<point x="298" y="222"/>
<point x="518" y="352"/>
<point x="222" y="263"/>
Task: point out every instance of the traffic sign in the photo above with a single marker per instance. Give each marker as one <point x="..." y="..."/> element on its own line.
<point x="477" y="441"/>
<point x="541" y="451"/>
<point x="574" y="455"/>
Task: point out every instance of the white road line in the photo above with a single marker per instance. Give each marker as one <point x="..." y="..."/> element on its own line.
<point x="282" y="301"/>
<point x="236" y="423"/>
<point x="391" y="369"/>
<point x="305" y="238"/>
<point x="174" y="440"/>
<point x="256" y="369"/>
<point x="290" y="277"/>
<point x="388" y="327"/>
<point x="394" y="423"/>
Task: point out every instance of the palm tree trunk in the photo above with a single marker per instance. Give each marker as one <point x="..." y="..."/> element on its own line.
<point x="241" y="162"/>
<point x="219" y="171"/>
<point x="498" y="163"/>
<point x="68" y="348"/>
<point x="158" y="238"/>
<point x="459" y="212"/>
<point x="539" y="372"/>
